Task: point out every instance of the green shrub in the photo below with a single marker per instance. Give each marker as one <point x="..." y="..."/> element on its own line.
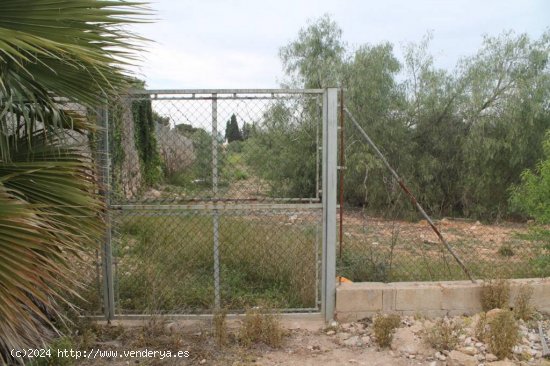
<point x="506" y="250"/>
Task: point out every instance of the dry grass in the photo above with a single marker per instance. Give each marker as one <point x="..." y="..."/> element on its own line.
<point x="261" y="326"/>
<point x="219" y="325"/>
<point x="523" y="309"/>
<point x="495" y="294"/>
<point x="503" y="334"/>
<point x="444" y="334"/>
<point x="481" y="327"/>
<point x="384" y="327"/>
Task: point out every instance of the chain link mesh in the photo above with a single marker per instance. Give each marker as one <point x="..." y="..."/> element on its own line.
<point x="397" y="244"/>
<point x="202" y="214"/>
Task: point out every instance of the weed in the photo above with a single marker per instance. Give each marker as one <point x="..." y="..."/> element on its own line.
<point x="481" y="327"/>
<point x="506" y="250"/>
<point x="384" y="327"/>
<point x="261" y="326"/>
<point x="444" y="335"/>
<point x="503" y="334"/>
<point x="523" y="309"/>
<point x="176" y="275"/>
<point x="495" y="294"/>
<point x="220" y="328"/>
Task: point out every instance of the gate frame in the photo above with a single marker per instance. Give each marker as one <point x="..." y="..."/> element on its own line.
<point x="329" y="149"/>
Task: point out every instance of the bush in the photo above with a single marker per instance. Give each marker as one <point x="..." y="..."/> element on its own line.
<point x="506" y="250"/>
<point x="503" y="334"/>
<point x="261" y="326"/>
<point x="444" y="335"/>
<point x="495" y="294"/>
<point x="532" y="195"/>
<point x="384" y="327"/>
<point x="481" y="328"/>
<point x="523" y="309"/>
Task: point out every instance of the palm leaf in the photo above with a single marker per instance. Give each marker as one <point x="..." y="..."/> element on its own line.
<point x="54" y="54"/>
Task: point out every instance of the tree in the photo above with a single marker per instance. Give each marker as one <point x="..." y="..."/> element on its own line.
<point x="505" y="108"/>
<point x="315" y="58"/>
<point x="232" y="131"/>
<point x="49" y="208"/>
<point x="532" y="195"/>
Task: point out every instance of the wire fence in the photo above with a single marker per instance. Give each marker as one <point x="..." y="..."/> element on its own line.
<point x="216" y="201"/>
<point x="399" y="244"/>
<point x="392" y="249"/>
<point x="202" y="214"/>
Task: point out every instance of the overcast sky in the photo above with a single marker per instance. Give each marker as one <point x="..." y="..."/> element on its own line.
<point x="235" y="43"/>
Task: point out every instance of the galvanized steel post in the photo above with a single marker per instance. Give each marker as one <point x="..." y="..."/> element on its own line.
<point x="329" y="188"/>
<point x="107" y="255"/>
<point x="215" y="213"/>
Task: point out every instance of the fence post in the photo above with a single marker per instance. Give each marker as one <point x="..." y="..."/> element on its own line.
<point x="329" y="188"/>
<point x="106" y="253"/>
<point x="215" y="213"/>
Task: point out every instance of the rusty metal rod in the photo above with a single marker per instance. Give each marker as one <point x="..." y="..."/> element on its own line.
<point x="409" y="193"/>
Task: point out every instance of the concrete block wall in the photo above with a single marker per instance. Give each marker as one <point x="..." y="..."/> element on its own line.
<point x="431" y="299"/>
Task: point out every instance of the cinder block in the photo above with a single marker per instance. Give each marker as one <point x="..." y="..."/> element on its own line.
<point x="359" y="297"/>
<point x="540" y="298"/>
<point x="416" y="297"/>
<point x="461" y="297"/>
<point x="431" y="299"/>
<point x="388" y="299"/>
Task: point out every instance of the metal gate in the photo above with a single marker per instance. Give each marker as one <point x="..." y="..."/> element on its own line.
<point x="220" y="199"/>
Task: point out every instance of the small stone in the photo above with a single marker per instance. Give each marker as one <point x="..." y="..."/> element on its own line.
<point x="457" y="358"/>
<point x="331" y="332"/>
<point x="352" y="341"/>
<point x="202" y="362"/>
<point x="440" y="356"/>
<point x="491" y="314"/>
<point x="534" y="337"/>
<point x="346" y="326"/>
<point x="471" y="351"/>
<point x="366" y="340"/>
<point x="489" y="357"/>
<point x="504" y="362"/>
<point x="342" y="336"/>
<point x="479" y="344"/>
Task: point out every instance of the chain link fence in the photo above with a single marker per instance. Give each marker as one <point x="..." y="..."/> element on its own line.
<point x="397" y="243"/>
<point x="215" y="201"/>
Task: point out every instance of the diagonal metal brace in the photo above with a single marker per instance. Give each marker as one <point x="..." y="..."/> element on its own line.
<point x="409" y="193"/>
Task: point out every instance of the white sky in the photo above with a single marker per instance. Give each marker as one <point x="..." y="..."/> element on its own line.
<point x="235" y="43"/>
